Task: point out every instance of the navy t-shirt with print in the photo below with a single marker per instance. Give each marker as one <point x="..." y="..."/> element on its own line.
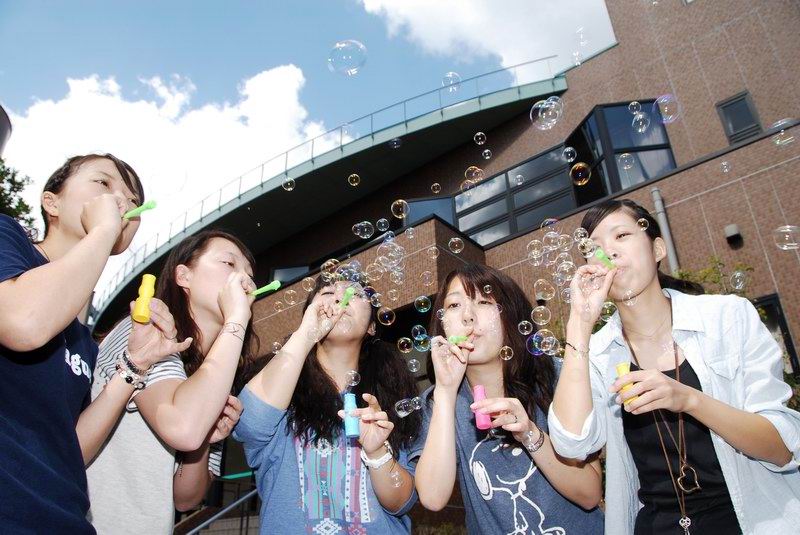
<point x="42" y="393"/>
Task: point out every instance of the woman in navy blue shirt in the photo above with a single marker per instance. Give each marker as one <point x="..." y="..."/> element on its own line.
<point x="47" y="356"/>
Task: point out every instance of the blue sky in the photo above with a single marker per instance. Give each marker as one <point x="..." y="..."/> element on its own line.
<point x="193" y="94"/>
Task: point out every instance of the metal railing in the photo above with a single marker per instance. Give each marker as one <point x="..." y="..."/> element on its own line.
<point x="271" y="173"/>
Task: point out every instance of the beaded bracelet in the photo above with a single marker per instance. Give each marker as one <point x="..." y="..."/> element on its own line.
<point x="529" y="444"/>
<point x="125" y="369"/>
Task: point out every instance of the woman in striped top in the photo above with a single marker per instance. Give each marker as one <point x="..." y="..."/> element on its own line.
<point x="138" y="479"/>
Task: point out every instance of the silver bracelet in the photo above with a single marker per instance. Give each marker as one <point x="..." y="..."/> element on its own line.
<point x="531" y="445"/>
<point x="582" y="354"/>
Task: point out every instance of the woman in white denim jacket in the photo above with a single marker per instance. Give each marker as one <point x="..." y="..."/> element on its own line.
<point x="743" y="440"/>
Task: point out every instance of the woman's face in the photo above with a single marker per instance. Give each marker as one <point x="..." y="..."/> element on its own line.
<point x="632" y="251"/>
<point x="477" y="318"/>
<point x="357" y="319"/>
<point x="207" y="277"/>
<point x="92" y="179"/>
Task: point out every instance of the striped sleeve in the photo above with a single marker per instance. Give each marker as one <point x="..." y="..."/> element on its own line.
<point x="215" y="458"/>
<point x="112" y="346"/>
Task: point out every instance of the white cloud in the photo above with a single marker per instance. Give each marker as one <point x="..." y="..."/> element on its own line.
<point x="182" y="153"/>
<point x="515" y="31"/>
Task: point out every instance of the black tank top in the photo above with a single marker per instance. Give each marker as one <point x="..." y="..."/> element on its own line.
<point x="710" y="508"/>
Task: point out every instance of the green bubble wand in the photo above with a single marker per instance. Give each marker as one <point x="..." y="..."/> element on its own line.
<point x="271" y="287"/>
<point x="136" y="212"/>
<point x="601" y="255"/>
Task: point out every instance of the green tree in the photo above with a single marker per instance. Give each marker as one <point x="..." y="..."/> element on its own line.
<point x="11" y="203"/>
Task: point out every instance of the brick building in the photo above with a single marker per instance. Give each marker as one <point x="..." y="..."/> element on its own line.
<point x="732" y="67"/>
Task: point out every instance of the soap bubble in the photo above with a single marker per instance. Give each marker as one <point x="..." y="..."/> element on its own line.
<point x="276" y="346"/>
<point x="288" y="184"/>
<point x="543" y="290"/>
<point x="426" y="278"/>
<point x="535" y="248"/>
<point x="540" y="315"/>
<point x="422" y="303"/>
<point x="396" y="479"/>
<point x="569" y="154"/>
<point x="347" y="57"/>
<point x="400" y="209"/>
<point x="451" y="81"/>
<point x="413" y="365"/>
<point x="404" y="407"/>
<point x="393" y="294"/>
<point x="643" y="223"/>
<point x="629" y="298"/>
<point x="383" y="224"/>
<point x="506" y="353"/>
<point x="308" y="284"/>
<point x="565" y="242"/>
<point x="397" y="277"/>
<point x="456" y="245"/>
<point x="436" y="188"/>
<point x="480" y="138"/>
<point x="422" y="345"/>
<point x="433" y="252"/>
<point x="640" y="123"/>
<point x="550" y="240"/>
<point x="375" y="272"/>
<point x="525" y="327"/>
<point x="726" y="167"/>
<point x="487" y="289"/>
<point x="549" y="222"/>
<point x="290" y="296"/>
<point x="626" y="160"/>
<point x="473" y="173"/>
<point x="576" y="58"/>
<point x="354" y="180"/>
<point x="587" y="247"/>
<point x="418" y="332"/>
<point x="634" y="107"/>
<point x="566" y="295"/>
<point x="545" y="114"/>
<point x="787" y="237"/>
<point x="487" y="154"/>
<point x="376" y="300"/>
<point x="579" y="234"/>
<point x="607" y="311"/>
<point x="411" y="233"/>
<point x="313" y="334"/>
<point x="668" y="107"/>
<point x="580" y="174"/>
<point x="352" y="378"/>
<point x="404" y="345"/>
<point x="278" y="306"/>
<point x="364" y="230"/>
<point x="782" y="137"/>
<point x="738" y="280"/>
<point x="386" y="316"/>
<point x="395" y="143"/>
<point x="532" y="345"/>
<point x="520" y="179"/>
<point x="440" y="314"/>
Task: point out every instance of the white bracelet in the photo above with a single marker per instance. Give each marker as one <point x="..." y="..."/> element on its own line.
<point x="377" y="463"/>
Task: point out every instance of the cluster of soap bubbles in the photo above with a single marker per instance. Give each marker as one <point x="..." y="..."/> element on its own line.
<point x="404" y="407"/>
<point x="641" y="119"/>
<point x="364" y="230"/>
<point x="545" y="114"/>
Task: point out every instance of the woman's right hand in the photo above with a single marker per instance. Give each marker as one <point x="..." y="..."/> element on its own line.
<point x="104" y="211"/>
<point x="588" y="291"/>
<point x="235" y="299"/>
<point x="320" y="317"/>
<point x="449" y="362"/>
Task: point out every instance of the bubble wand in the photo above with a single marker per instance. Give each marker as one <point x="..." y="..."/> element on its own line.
<point x="136" y="212"/>
<point x="601" y="255"/>
<point x="271" y="287"/>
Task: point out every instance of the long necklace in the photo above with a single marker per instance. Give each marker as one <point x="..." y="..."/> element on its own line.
<point x="680" y="484"/>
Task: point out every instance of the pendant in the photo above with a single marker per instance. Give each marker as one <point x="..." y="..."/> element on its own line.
<point x="685" y="522"/>
<point x="687" y="481"/>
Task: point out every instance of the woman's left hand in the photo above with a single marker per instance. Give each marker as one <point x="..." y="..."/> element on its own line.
<point x="227" y="420"/>
<point x="374" y="425"/>
<point x="507" y="413"/>
<point x="151" y="342"/>
<point x="655" y="391"/>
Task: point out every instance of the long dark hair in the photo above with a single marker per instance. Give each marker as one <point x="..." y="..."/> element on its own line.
<point x="60" y="176"/>
<point x="529" y="379"/>
<point x="312" y="413"/>
<point x="597" y="213"/>
<point x="187" y="252"/>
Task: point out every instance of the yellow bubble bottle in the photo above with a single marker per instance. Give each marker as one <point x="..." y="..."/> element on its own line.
<point x="141" y="310"/>
<point x="622" y="369"/>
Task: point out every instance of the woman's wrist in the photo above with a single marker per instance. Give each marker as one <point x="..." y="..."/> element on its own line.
<point x="578" y="332"/>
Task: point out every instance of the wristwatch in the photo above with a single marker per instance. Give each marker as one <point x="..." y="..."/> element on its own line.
<point x="380" y="461"/>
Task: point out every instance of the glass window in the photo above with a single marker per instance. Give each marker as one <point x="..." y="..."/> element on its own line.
<point x="419" y="210"/>
<point x="482" y="215"/>
<point x="541" y="189"/>
<point x="289" y="273"/>
<point x="646" y="165"/>
<point x="620" y="127"/>
<point x="483" y="191"/>
<point x="492" y="234"/>
<point x="739" y="117"/>
<point x="541" y="165"/>
<point x="555" y="208"/>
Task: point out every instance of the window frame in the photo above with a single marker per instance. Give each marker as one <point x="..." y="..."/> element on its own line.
<point x="746" y="133"/>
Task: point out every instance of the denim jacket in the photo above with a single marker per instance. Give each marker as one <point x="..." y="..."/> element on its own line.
<point x="739" y="363"/>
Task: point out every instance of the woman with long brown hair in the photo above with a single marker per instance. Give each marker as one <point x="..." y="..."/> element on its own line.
<point x="511" y="479"/>
<point x="185" y="408"/>
<point x="697" y="433"/>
